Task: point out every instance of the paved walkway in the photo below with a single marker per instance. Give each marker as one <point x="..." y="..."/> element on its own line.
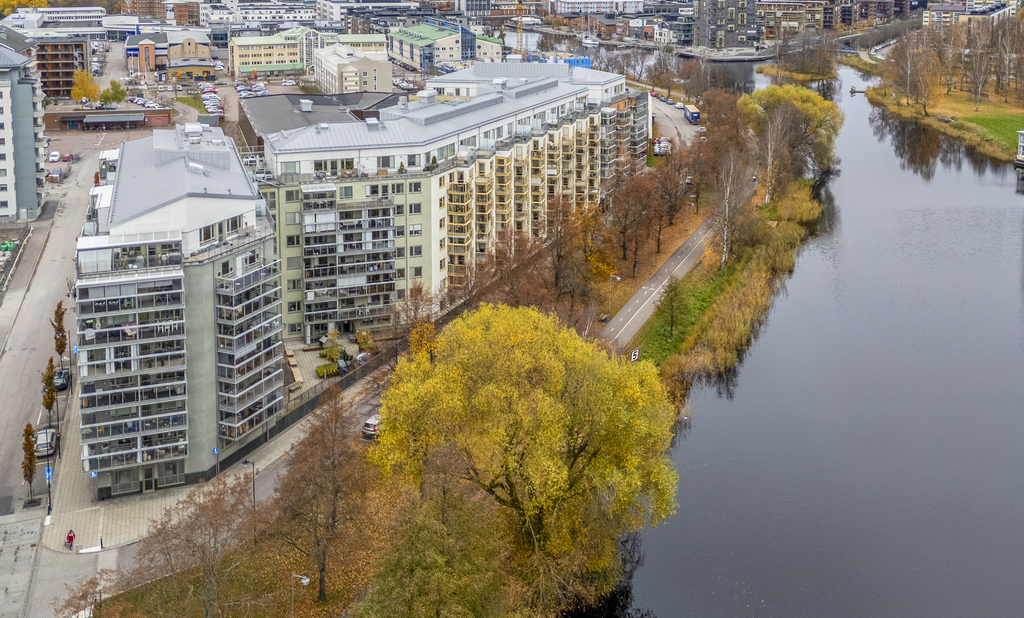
<point x="634" y="314"/>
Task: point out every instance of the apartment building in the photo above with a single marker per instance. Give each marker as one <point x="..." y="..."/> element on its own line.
<point x="561" y="7"/>
<point x="178" y="315"/>
<point x="285" y="53"/>
<point x="21" y="138"/>
<point x="792" y="15"/>
<point x="336" y="10"/>
<point x="436" y="42"/>
<point x="367" y="207"/>
<point x="180" y="12"/>
<point x="57" y="59"/>
<point x="340" y="69"/>
<point x="288" y="10"/>
<point x="726" y="23"/>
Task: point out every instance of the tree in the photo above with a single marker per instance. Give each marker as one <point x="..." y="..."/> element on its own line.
<point x="60" y="333"/>
<point x="820" y="122"/>
<point x="781" y="133"/>
<point x="977" y="60"/>
<point x="695" y="79"/>
<point x="735" y="189"/>
<point x="114" y="94"/>
<point x="28" y="462"/>
<point x="49" y="389"/>
<point x="83" y="86"/>
<point x="948" y="44"/>
<point x="702" y="165"/>
<point x="670" y="183"/>
<point x="8" y="6"/>
<point x="926" y="84"/>
<point x="204" y="537"/>
<point x="671" y="304"/>
<point x="566" y="442"/>
<point x="327" y="479"/>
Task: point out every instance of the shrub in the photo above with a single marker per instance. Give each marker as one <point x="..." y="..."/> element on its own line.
<point x="327" y="370"/>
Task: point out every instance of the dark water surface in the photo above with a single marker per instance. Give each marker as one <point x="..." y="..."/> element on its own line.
<point x="870" y="461"/>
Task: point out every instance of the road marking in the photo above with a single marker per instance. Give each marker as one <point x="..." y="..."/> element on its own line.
<point x="686" y="257"/>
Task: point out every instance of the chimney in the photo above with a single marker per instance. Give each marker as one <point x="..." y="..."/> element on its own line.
<point x="306" y="105"/>
<point x="403" y="104"/>
<point x="427" y="97"/>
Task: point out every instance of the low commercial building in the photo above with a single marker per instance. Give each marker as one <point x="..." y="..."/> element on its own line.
<point x="21" y="138"/>
<point x="34" y="18"/>
<point x="366" y="208"/>
<point x="340" y="69"/>
<point x="285" y="53"/>
<point x="152" y="51"/>
<point x="178" y="315"/>
<point x="73" y="118"/>
<point x="437" y="42"/>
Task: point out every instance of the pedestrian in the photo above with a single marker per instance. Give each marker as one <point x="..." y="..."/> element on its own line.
<point x="71" y="540"/>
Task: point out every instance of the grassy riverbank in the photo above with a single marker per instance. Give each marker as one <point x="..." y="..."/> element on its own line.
<point x="855" y="61"/>
<point x="720" y="310"/>
<point x="767" y="69"/>
<point x="992" y="129"/>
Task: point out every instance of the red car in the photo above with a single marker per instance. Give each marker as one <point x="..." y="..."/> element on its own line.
<point x="68" y="157"/>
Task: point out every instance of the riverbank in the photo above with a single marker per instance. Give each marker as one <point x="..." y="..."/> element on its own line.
<point x="796" y="77"/>
<point x="862" y="65"/>
<point x="702" y="331"/>
<point x="991" y="130"/>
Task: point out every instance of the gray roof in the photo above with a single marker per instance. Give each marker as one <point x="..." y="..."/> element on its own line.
<point x="421" y="124"/>
<point x="281" y="112"/>
<point x="154" y="37"/>
<point x="155" y="171"/>
<point x="176" y="37"/>
<point x="11" y="38"/>
<point x="10" y="59"/>
<point x="488" y="71"/>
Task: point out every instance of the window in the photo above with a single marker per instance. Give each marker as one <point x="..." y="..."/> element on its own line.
<point x="294" y="285"/>
<point x="440" y="265"/>
<point x="440" y="223"/>
<point x="346" y="193"/>
<point x="294" y="263"/>
<point x="416" y="230"/>
<point x="292" y="195"/>
<point x="732" y="13"/>
<point x="399" y="209"/>
<point x="295" y="329"/>
<point x="413" y="161"/>
<point x="417" y="271"/>
<point x="383" y="162"/>
<point x="292" y="241"/>
<point x="400" y="231"/>
<point x="3" y="187"/>
<point x="289" y="167"/>
<point x="743" y="20"/>
<point x="294" y="306"/>
<point x="400" y="252"/>
<point x="397" y="188"/>
<point x="416" y="251"/>
<point x="400" y="274"/>
<point x="415" y="209"/>
<point x="440" y="244"/>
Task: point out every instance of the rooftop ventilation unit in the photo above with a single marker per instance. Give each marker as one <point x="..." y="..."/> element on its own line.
<point x="428" y="96"/>
<point x="306" y="105"/>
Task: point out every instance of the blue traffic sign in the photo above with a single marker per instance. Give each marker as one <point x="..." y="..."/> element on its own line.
<point x="75" y="349"/>
<point x="49" y="473"/>
<point x="93" y="474"/>
<point x="216" y="450"/>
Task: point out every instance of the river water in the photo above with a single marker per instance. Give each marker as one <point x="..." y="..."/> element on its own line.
<point x="869" y="458"/>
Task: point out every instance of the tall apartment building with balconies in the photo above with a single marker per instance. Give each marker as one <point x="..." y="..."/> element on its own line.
<point x="178" y="315"/>
<point x="57" y="59"/>
<point x="22" y="185"/>
<point x="367" y="208"/>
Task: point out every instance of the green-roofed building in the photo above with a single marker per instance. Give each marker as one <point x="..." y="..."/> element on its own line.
<point x="437" y="42"/>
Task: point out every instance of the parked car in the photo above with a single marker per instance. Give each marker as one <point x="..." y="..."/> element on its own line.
<point x="371" y="428"/>
<point x="680" y="105"/>
<point x="67" y="157"/>
<point x="60" y="381"/>
<point x="54" y="156"/>
<point x="159" y="88"/>
<point x="46" y="442"/>
<point x="288" y="82"/>
<point x="180" y="87"/>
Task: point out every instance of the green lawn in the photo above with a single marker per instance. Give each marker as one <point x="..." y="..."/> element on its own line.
<point x="1003" y="127"/>
<point x="191" y="102"/>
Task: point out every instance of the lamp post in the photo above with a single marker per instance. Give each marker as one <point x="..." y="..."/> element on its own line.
<point x="610" y="277"/>
<point x="246" y="462"/>
<point x="305" y="582"/>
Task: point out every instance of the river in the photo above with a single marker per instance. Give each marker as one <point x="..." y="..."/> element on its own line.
<point x="868" y="460"/>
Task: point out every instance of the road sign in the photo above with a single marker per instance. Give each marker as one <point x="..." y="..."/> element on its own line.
<point x="49" y="473"/>
<point x="216" y="450"/>
<point x="75" y="349"/>
<point x="92" y="474"/>
<point x="635" y="355"/>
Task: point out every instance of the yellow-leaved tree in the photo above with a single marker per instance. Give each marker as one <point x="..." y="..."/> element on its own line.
<point x="568" y="445"/>
<point x="83" y="86"/>
<point x="7" y="6"/>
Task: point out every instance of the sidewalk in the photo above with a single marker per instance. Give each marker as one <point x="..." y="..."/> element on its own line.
<point x="121" y="522"/>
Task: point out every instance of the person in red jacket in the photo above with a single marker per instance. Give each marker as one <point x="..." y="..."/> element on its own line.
<point x="71" y="539"/>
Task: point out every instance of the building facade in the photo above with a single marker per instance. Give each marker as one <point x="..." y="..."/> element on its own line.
<point x="793" y="16"/>
<point x="57" y="59"/>
<point x="562" y="7"/>
<point x="178" y="314"/>
<point x="340" y="69"/>
<point x="367" y="209"/>
<point x="437" y="42"/>
<point x="21" y="138"/>
<point x="726" y="23"/>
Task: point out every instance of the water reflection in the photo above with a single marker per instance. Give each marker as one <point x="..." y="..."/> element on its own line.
<point x="921" y="148"/>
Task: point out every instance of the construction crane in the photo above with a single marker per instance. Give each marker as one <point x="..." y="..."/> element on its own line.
<point x="520" y="12"/>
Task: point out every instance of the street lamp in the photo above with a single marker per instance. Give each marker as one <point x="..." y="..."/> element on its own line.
<point x="246" y="462"/>
<point x="610" y="277"/>
<point x="305" y="582"/>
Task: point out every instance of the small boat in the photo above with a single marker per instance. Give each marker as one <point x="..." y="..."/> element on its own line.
<point x="589" y="41"/>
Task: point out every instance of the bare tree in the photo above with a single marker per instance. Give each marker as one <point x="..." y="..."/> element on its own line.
<point x="977" y="60"/>
<point x="735" y="189"/>
<point x="948" y="44"/>
<point x="781" y="130"/>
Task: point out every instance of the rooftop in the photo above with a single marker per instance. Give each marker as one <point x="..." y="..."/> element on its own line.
<point x="171" y="164"/>
<point x="489" y="71"/>
<point x="282" y="112"/>
<point x="423" y="34"/>
<point x="17" y="41"/>
<point x="10" y="59"/>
